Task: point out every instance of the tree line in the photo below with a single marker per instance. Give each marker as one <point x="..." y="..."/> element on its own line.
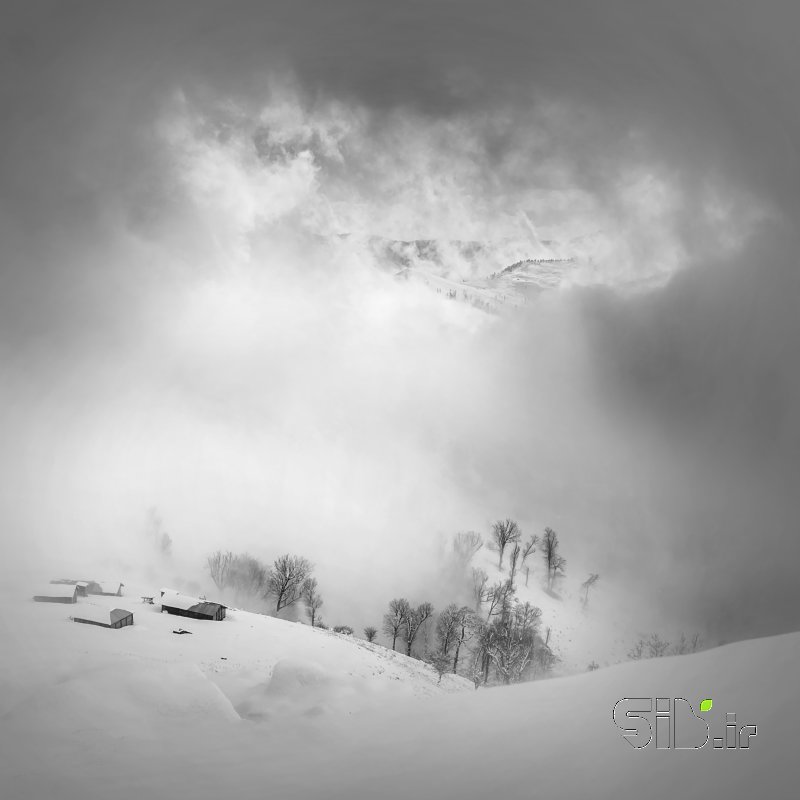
<point x="494" y="638"/>
<point x="285" y="582"/>
<point x="501" y="636"/>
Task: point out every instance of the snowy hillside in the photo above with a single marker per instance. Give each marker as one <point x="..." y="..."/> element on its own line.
<point x="256" y="666"/>
<point x="256" y="707"/>
<point x="603" y="631"/>
<point x="488" y="275"/>
<point x="506" y="273"/>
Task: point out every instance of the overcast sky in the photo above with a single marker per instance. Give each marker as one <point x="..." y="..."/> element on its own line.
<point x="180" y="326"/>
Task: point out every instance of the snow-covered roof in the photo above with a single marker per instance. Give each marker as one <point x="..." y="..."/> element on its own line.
<point x="92" y="613"/>
<point x="93" y="587"/>
<point x="119" y="613"/>
<point x="83" y="586"/>
<point x="100" y="614"/>
<point x="110" y="587"/>
<point x="56" y="590"/>
<point x="173" y="599"/>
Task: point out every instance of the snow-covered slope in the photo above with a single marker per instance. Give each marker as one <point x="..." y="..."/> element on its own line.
<point x="602" y="631"/>
<point x="255" y="707"/>
<point x="506" y="273"/>
<point x="263" y="666"/>
<point x="489" y="275"/>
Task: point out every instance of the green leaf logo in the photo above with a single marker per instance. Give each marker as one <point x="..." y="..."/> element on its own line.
<point x="705" y="705"/>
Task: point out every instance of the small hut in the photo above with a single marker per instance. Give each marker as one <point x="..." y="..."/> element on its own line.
<point x="185" y="606"/>
<point x="95" y="615"/>
<point x="107" y="588"/>
<point x="86" y="587"/>
<point x="57" y="593"/>
<point x="81" y="585"/>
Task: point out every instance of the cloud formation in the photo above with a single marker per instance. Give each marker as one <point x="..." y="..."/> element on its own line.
<point x="183" y="323"/>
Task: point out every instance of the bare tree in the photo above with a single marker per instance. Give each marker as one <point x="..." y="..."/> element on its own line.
<point x="465" y="630"/>
<point x="505" y="532"/>
<point x="549" y="551"/>
<point x="439" y="661"/>
<point x="481" y="661"/>
<point x="554" y="562"/>
<point x="447" y="628"/>
<point x="515" y="552"/>
<point x="637" y="651"/>
<point x="680" y="647"/>
<point x="393" y="622"/>
<point x="652" y="647"/>
<point x="286" y="579"/>
<point x="543" y="658"/>
<point x="528" y="549"/>
<point x="247" y="576"/>
<point x="587" y="584"/>
<point x="510" y="642"/>
<point x="370" y="633"/>
<point x="465" y="545"/>
<point x="499" y="598"/>
<point x="219" y="565"/>
<point x="559" y="568"/>
<point x="656" y="646"/>
<point x="345" y="629"/>
<point x="479" y="581"/>
<point x="413" y="622"/>
<point x="311" y="598"/>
